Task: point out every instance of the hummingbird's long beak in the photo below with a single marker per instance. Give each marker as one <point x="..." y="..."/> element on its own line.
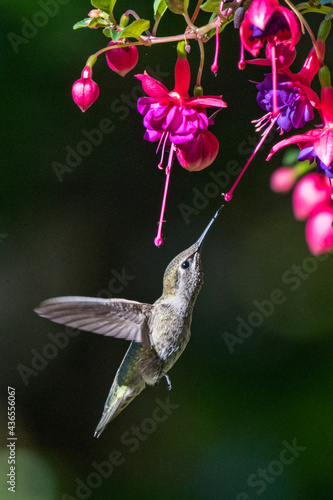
<point x="202" y="237"/>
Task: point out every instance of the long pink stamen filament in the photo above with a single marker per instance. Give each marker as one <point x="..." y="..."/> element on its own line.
<point x="214" y="66"/>
<point x="228" y="195"/>
<point x="274" y="78"/>
<point x="164" y="138"/>
<point x="158" y="240"/>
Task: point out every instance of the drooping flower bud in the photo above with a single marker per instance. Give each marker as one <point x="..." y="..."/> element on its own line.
<point x="122" y="59"/>
<point x="199" y="153"/>
<point x="283" y="179"/>
<point x="85" y="91"/>
<point x="311" y="194"/>
<point x="319" y="231"/>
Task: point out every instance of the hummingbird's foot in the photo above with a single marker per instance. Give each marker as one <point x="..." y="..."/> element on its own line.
<point x="168" y="381"/>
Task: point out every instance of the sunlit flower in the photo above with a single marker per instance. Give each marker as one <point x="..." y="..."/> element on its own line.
<point x="179" y="121"/>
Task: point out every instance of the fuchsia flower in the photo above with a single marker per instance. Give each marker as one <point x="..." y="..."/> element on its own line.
<point x="319" y="232"/>
<point x="267" y="21"/>
<point x="295" y="99"/>
<point x="85" y="91"/>
<point x="122" y="59"/>
<point x="317" y="143"/>
<point x="180" y="121"/>
<point x="311" y="194"/>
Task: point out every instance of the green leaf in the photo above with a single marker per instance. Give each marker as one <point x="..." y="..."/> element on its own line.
<point x="108" y="32"/>
<point x="102" y="5"/>
<point x="81" y="24"/>
<point x="176" y="6"/>
<point x="160" y="7"/>
<point x="211" y="6"/>
<point x="133" y="30"/>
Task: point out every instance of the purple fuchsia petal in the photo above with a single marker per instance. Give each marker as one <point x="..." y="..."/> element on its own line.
<point x="152" y="135"/>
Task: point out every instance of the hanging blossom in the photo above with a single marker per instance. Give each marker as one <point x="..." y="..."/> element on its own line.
<point x="295" y="98"/>
<point x="179" y="121"/>
<point x="317" y="143"/>
<point x="266" y="21"/>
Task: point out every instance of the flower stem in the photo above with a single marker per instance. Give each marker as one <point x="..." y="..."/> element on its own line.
<point x="196" y="12"/>
<point x="202" y="60"/>
<point x="228" y="195"/>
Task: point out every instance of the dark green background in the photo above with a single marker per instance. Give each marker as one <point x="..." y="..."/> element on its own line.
<point x="66" y="238"/>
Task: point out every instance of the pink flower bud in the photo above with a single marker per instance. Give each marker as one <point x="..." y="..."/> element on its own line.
<point x="123" y="59"/>
<point x="319" y="231"/>
<point x="310" y="194"/>
<point x="85" y="91"/>
<point x="94" y="13"/>
<point x="198" y="153"/>
<point x="283" y="179"/>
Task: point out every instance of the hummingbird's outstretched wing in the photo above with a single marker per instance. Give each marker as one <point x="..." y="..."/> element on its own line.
<point x="120" y="318"/>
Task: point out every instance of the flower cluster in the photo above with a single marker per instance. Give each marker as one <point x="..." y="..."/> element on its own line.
<point x="179" y="123"/>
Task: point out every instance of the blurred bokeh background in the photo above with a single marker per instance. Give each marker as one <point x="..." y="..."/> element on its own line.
<point x="233" y="413"/>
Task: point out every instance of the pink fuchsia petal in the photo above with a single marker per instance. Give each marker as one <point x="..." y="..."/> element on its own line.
<point x="153" y="87"/>
<point x="152" y="135"/>
<point x="285" y="55"/>
<point x="283" y="179"/>
<point x="311" y="65"/>
<point x="260" y="12"/>
<point x="327" y="105"/>
<point x="144" y="104"/>
<point x="123" y="59"/>
<point x="252" y="45"/>
<point x="206" y="102"/>
<point x="311" y="95"/>
<point x="200" y="152"/>
<point x="323" y="146"/>
<point x="85" y="91"/>
<point x="319" y="232"/>
<point x="311" y="194"/>
<point x="182" y="77"/>
<point x="293" y="23"/>
<point x="310" y="136"/>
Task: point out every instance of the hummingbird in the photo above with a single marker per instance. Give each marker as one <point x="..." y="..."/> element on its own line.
<point x="158" y="332"/>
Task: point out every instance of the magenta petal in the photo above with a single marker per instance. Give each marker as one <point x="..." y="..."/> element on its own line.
<point x="170" y="116"/>
<point x="207" y="102"/>
<point x="310" y="136"/>
<point x="323" y="147"/>
<point x="152" y="135"/>
<point x="144" y="104"/>
<point x="153" y="87"/>
<point x="180" y="138"/>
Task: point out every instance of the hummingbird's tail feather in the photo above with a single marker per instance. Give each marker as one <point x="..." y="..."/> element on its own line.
<point x="119" y="397"/>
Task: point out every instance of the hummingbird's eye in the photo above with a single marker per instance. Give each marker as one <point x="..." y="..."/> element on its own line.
<point x="185" y="264"/>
